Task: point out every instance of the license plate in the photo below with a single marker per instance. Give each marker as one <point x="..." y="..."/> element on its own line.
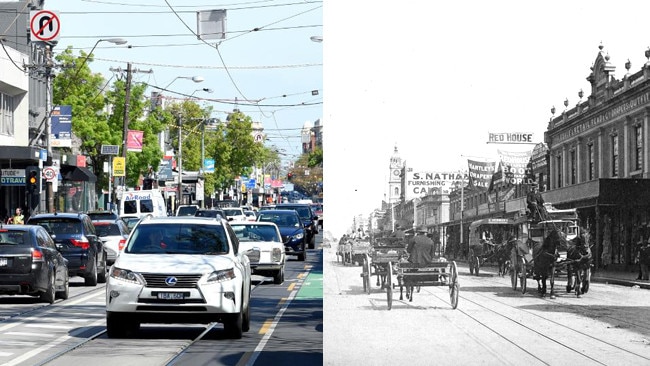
<point x="171" y="296"/>
<point x="3" y="262"/>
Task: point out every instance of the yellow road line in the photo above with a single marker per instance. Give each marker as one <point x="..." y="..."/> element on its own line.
<point x="291" y="286"/>
<point x="282" y="301"/>
<point x="265" y="327"/>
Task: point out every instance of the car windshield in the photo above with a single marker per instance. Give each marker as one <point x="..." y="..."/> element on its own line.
<point x="107" y="229"/>
<point x="178" y="239"/>
<point x="255" y="232"/>
<point x="279" y="219"/>
<point x="232" y="212"/>
<point x="13" y="237"/>
<point x="186" y="211"/>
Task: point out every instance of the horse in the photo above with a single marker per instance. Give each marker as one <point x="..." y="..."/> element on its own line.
<point x="501" y="255"/>
<point x="578" y="268"/>
<point x="544" y="260"/>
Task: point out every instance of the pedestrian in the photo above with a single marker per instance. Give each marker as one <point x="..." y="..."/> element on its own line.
<point x="421" y="249"/>
<point x="638" y="247"/>
<point x="19" y="218"/>
<point x="644" y="260"/>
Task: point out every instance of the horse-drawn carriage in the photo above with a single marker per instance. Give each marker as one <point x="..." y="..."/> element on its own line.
<point x="551" y="248"/>
<point x="388" y="260"/>
<point x="487" y="242"/>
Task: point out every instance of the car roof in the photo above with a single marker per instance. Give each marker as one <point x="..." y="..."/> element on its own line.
<point x="181" y="220"/>
<point x="67" y="215"/>
<point x="20" y="227"/>
<point x="281" y="212"/>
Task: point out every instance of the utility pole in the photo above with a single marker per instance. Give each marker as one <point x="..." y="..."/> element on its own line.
<point x="180" y="161"/>
<point x="48" y="129"/>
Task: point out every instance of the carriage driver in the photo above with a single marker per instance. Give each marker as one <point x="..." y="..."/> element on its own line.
<point x="421" y="249"/>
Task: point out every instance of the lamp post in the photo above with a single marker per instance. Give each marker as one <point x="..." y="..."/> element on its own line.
<point x="196" y="79"/>
<point x="180" y="162"/>
<point x="207" y="90"/>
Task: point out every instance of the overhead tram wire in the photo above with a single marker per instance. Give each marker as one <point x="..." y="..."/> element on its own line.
<point x="198" y="6"/>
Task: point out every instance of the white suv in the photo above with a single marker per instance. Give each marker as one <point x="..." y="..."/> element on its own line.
<point x="234" y="213"/>
<point x="179" y="270"/>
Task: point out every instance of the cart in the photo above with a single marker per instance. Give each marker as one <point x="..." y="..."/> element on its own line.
<point x="380" y="261"/>
<point x="344" y="251"/>
<point x="441" y="273"/>
<point x="358" y="251"/>
<point x="482" y="236"/>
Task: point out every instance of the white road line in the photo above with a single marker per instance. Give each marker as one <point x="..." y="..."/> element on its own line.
<point x="29" y="334"/>
<point x="48" y="326"/>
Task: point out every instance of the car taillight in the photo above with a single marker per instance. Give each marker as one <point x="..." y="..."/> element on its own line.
<point x="121" y="244"/>
<point x="37" y="256"/>
<point x="83" y="244"/>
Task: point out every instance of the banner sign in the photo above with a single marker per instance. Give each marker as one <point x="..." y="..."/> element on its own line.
<point x="420" y="183"/>
<point x="13" y="177"/>
<point x="480" y="173"/>
<point x="514" y="166"/>
<point x="510" y="138"/>
<point x="165" y="169"/>
<point x="61" y="126"/>
<point x="119" y="166"/>
<point x="134" y="140"/>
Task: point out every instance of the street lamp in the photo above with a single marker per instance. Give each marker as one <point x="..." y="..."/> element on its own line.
<point x="207" y="90"/>
<point x="196" y="79"/>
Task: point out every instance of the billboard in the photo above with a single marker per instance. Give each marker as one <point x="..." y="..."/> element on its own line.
<point x="61" y="126"/>
<point x="420" y="183"/>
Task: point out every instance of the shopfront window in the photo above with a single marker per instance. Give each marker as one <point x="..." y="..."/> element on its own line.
<point x="572" y="157"/>
<point x="590" y="151"/>
<point x="638" y="147"/>
<point x="558" y="159"/>
<point x="614" y="155"/>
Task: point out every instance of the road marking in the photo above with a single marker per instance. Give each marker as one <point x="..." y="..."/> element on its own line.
<point x="291" y="286"/>
<point x="281" y="302"/>
<point x="28" y="334"/>
<point x="265" y="327"/>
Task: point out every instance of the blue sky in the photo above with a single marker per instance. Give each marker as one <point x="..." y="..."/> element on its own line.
<point x="434" y="78"/>
<point x="277" y="65"/>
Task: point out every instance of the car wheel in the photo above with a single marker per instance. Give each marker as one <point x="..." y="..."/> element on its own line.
<point x="303" y="255"/>
<point x="233" y="325"/>
<point x="91" y="278"/>
<point x="65" y="293"/>
<point x="48" y="295"/>
<point x="279" y="276"/>
<point x="246" y="321"/>
<point x="101" y="273"/>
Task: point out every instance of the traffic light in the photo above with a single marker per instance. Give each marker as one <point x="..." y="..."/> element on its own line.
<point x="32" y="179"/>
<point x="289" y="176"/>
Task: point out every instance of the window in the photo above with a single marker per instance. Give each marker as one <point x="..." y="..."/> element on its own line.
<point x="638" y="147"/>
<point x="6" y="115"/>
<point x="614" y="155"/>
<point x="590" y="153"/>
<point x="559" y="171"/>
<point x="572" y="156"/>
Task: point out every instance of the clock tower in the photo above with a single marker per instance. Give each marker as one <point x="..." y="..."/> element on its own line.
<point x="395" y="178"/>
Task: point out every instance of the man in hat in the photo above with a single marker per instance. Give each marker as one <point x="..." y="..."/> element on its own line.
<point x="535" y="204"/>
<point x="421" y="249"/>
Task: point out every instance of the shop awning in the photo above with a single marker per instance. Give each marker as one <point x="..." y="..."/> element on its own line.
<point x="80" y="174"/>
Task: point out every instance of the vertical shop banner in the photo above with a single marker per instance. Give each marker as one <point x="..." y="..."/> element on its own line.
<point x="514" y="166"/>
<point x="134" y="141"/>
<point x="61" y="126"/>
<point x="480" y="173"/>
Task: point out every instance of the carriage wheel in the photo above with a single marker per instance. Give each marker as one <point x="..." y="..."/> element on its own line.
<point x="366" y="274"/>
<point x="454" y="286"/>
<point x="522" y="275"/>
<point x="478" y="264"/>
<point x="471" y="265"/>
<point x="389" y="285"/>
<point x="513" y="275"/>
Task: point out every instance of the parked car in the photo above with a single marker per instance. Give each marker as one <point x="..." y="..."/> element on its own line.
<point x="308" y="218"/>
<point x="234" y="213"/>
<point x="291" y="229"/>
<point x="211" y="212"/>
<point x="113" y="233"/>
<point x="317" y="207"/>
<point x="31" y="264"/>
<point x="186" y="210"/>
<point x="75" y="236"/>
<point x="179" y="270"/>
<point x="262" y="242"/>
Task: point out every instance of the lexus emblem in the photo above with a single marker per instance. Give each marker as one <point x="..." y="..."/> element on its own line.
<point x="171" y="281"/>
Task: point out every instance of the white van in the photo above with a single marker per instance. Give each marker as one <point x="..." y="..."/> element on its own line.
<point x="143" y="203"/>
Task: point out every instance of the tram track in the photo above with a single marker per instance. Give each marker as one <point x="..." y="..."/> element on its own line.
<point x="487" y="304"/>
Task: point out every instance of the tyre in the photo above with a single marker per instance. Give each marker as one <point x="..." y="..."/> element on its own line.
<point x="586" y="280"/>
<point x="102" y="271"/>
<point x="471" y="267"/>
<point x="246" y="321"/>
<point x="477" y="265"/>
<point x="65" y="293"/>
<point x="302" y="256"/>
<point x="91" y="278"/>
<point x="454" y="286"/>
<point x="116" y="325"/>
<point x="233" y="326"/>
<point x="389" y="285"/>
<point x="48" y="295"/>
<point x="522" y="275"/>
<point x="278" y="278"/>
<point x="513" y="276"/>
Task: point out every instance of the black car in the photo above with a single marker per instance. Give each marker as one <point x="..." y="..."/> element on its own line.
<point x="291" y="229"/>
<point x="75" y="235"/>
<point x="308" y="217"/>
<point x="210" y="212"/>
<point x="102" y="215"/>
<point x="31" y="264"/>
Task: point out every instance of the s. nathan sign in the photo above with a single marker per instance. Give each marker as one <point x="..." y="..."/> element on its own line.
<point x="420" y="183"/>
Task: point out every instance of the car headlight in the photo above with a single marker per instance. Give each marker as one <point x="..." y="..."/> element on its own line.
<point x="298" y="236"/>
<point x="126" y="275"/>
<point x="276" y="254"/>
<point x="221" y="276"/>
